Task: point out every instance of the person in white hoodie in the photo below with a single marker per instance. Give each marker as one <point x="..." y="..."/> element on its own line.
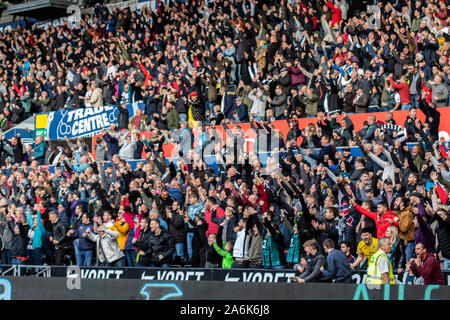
<point x="108" y="250"/>
<point x="126" y="152"/>
<point x="258" y="110"/>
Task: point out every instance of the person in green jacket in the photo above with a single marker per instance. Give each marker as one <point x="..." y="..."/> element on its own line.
<point x="173" y="121"/>
<point x="293" y="254"/>
<point x="227" y="257"/>
<point x="272" y="256"/>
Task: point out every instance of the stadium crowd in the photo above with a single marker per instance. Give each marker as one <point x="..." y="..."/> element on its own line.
<point x="226" y="62"/>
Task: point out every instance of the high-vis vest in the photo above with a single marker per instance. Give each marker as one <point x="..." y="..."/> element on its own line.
<point x="373" y="272"/>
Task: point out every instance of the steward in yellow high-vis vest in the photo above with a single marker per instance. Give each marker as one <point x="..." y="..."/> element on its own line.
<point x="374" y="275"/>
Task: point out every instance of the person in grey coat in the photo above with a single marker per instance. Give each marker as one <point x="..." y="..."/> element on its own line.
<point x="100" y="150"/>
<point x="108" y="250"/>
<point x="279" y="102"/>
<point x="439" y="92"/>
<point x="7" y="237"/>
<point x="126" y="152"/>
<point x="315" y="261"/>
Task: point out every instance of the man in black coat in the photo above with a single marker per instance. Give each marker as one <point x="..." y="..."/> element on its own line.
<point x="433" y="116"/>
<point x="16" y="144"/>
<point x="177" y="229"/>
<point x="443" y="235"/>
<point x="160" y="245"/>
<point x="123" y="117"/>
<point x="141" y="243"/>
<point x="59" y="237"/>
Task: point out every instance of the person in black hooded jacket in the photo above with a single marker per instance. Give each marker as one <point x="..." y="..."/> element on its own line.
<point x="199" y="240"/>
<point x="19" y="242"/>
<point x="443" y="235"/>
<point x="177" y="228"/>
<point x="123" y="117"/>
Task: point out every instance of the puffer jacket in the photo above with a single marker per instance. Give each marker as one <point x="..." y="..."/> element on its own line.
<point x="107" y="246"/>
<point x="161" y="244"/>
<point x="123" y="228"/>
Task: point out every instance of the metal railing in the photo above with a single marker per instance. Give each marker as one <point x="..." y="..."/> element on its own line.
<point x="27" y="270"/>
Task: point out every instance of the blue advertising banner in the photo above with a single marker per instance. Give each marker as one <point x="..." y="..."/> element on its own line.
<point x="83" y="122"/>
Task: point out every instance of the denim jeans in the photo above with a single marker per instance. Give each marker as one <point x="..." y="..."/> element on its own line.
<point x="373" y="109"/>
<point x="84" y="258"/>
<point x="179" y="250"/>
<point x="164" y="265"/>
<point x="258" y="118"/>
<point x="190" y="235"/>
<point x="48" y="248"/>
<point x="18" y="262"/>
<point x="209" y="106"/>
<point x="75" y="246"/>
<point x="414" y="102"/>
<point x="6" y="256"/>
<point x="409" y="251"/>
<point x="35" y="256"/>
<point x="130" y="257"/>
<point x="273" y="267"/>
<point x="405" y="106"/>
<point x="446" y="264"/>
<point x="383" y="109"/>
<point x="117" y="263"/>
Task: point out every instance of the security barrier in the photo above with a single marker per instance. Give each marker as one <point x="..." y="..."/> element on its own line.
<point x="21" y="288"/>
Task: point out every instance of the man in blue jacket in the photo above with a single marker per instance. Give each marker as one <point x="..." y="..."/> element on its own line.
<point x="338" y="268"/>
<point x="112" y="144"/>
<point x="242" y="110"/>
<point x="39" y="148"/>
<point x="86" y="247"/>
<point x="327" y="149"/>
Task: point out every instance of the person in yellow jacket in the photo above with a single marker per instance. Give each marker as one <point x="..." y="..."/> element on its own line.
<point x="122" y="227"/>
<point x="380" y="268"/>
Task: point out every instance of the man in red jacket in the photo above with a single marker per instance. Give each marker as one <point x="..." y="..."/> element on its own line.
<point x="403" y="90"/>
<point x="383" y="218"/>
<point x="426" y="266"/>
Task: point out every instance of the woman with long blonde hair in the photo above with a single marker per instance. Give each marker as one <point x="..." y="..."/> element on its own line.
<point x="397" y="255"/>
